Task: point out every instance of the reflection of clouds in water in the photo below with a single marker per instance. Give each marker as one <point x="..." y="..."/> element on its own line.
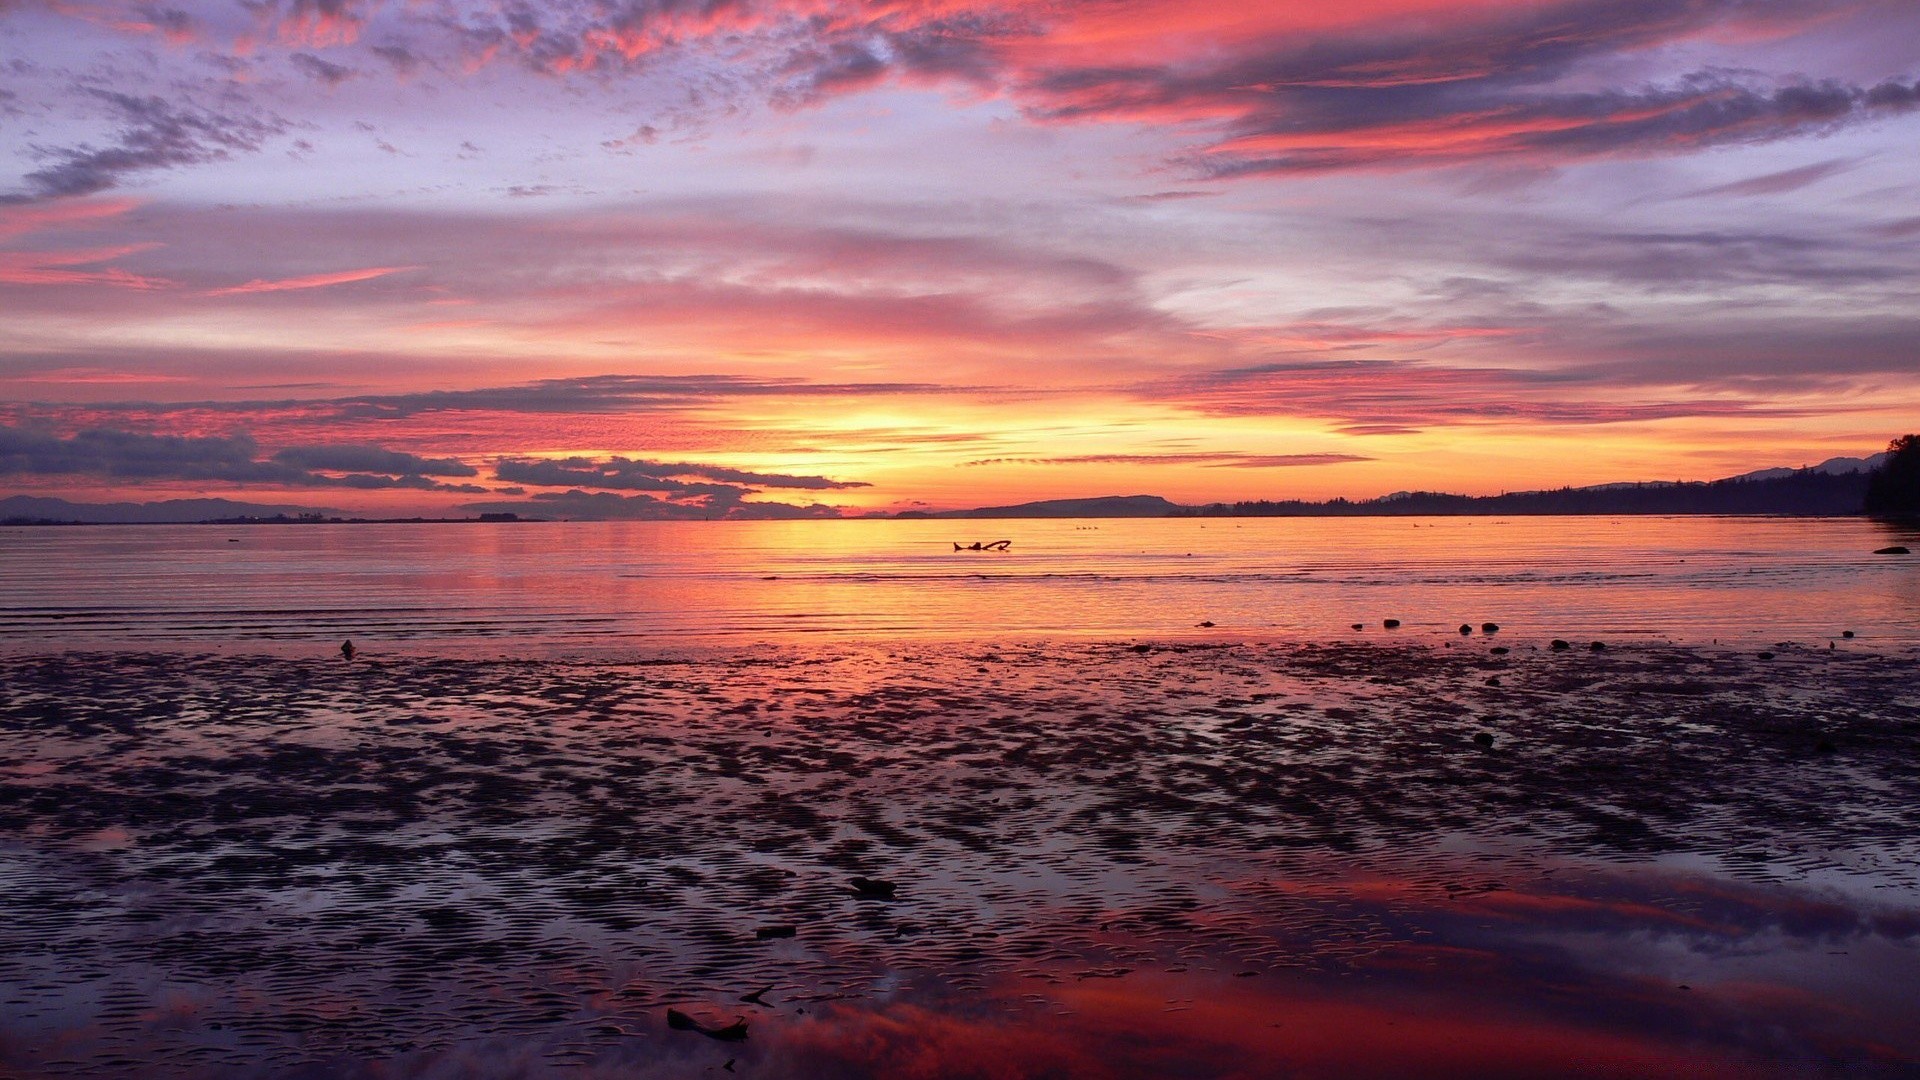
<point x="1445" y="1024"/>
<point x="1530" y="980"/>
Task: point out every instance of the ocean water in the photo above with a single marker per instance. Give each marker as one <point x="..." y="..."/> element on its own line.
<point x="587" y="587"/>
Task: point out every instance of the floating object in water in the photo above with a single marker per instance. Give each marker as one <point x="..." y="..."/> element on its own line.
<point x="1846" y="633"/>
<point x="1560" y="645"/>
<point x="1359" y="626"/>
<point x="1598" y="646"/>
<point x="347" y="650"/>
<point x="997" y="545"/>
<point x="1466" y="630"/>
<point x="1390" y="623"/>
<point x="1894" y="550"/>
<point x="1489" y="627"/>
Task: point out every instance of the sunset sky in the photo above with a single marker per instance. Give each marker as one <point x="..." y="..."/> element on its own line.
<point x="761" y="257"/>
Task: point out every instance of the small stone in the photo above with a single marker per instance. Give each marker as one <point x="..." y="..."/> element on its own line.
<point x="1560" y="646"/>
<point x="734" y="1032"/>
<point x="1766" y="656"/>
<point x="1598" y="646"/>
<point x="1359" y="626"/>
<point x="1825" y="746"/>
<point x="1489" y="627"/>
<point x="1846" y="633"/>
<point x="1483" y="738"/>
<point x="1499" y="650"/>
<point x="768" y="933"/>
<point x="1205" y="624"/>
<point x="1466" y="630"/>
<point x="447" y="918"/>
<point x="874" y="887"/>
<point x="1390" y="623"/>
<point x="1894" y="550"/>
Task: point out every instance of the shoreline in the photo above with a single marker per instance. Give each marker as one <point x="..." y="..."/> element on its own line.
<point x="643" y="647"/>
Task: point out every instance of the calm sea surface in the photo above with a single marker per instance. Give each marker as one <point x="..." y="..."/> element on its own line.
<point x="586" y="586"/>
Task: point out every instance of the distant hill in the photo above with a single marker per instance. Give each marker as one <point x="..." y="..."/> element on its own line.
<point x="26" y="509"/>
<point x="1807" y="492"/>
<point x="1107" y="506"/>
<point x="1834" y="487"/>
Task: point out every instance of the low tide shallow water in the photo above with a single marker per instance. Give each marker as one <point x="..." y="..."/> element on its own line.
<point x="602" y="587"/>
<point x="580" y="779"/>
<point x="1206" y="859"/>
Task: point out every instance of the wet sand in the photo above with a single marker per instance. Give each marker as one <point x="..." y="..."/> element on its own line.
<point x="1107" y="859"/>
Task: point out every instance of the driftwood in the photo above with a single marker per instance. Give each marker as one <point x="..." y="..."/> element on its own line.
<point x="997" y="545"/>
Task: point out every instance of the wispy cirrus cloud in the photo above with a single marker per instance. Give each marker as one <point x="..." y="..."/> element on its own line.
<point x="1779" y="183"/>
<point x="66" y="268"/>
<point x="310" y="281"/>
<point x="1211" y="460"/>
<point x="1382" y="397"/>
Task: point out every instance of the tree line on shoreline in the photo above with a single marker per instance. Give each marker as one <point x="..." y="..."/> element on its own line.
<point x="1891" y="490"/>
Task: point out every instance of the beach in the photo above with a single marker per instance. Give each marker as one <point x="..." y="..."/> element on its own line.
<point x="1229" y="857"/>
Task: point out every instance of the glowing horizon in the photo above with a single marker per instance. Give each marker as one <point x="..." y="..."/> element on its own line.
<point x="805" y="256"/>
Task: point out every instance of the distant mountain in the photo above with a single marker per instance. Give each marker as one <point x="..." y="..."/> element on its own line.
<point x="1840" y="466"/>
<point x="29" y="509"/>
<point x="1108" y="506"/>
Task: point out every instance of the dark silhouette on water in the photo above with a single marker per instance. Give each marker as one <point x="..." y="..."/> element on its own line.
<point x="1893" y="490"/>
<point x="734" y="1032"/>
<point x="874" y="888"/>
<point x="997" y="545"/>
<point x="347" y="650"/>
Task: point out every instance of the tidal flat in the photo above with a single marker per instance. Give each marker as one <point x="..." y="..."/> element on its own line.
<point x="1087" y="859"/>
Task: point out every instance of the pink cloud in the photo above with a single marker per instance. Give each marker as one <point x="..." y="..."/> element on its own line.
<point x="56" y="268"/>
<point x="310" y="281"/>
<point x="20" y="219"/>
